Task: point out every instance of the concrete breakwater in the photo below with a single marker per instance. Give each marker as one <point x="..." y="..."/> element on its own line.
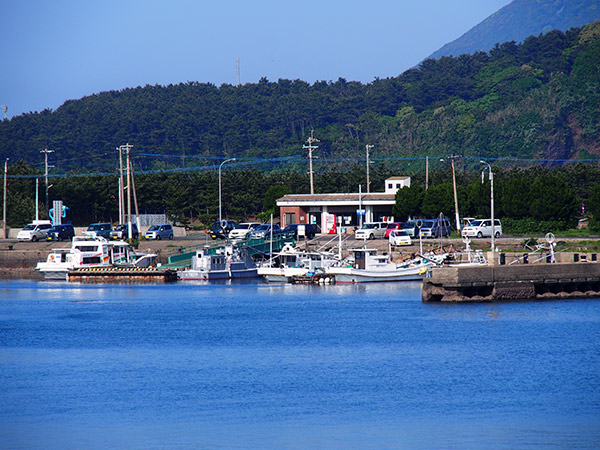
<point x="514" y="282"/>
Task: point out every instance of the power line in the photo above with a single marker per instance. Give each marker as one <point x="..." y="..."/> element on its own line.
<point x="298" y="158"/>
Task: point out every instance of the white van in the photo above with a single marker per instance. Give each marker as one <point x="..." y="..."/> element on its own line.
<point x="482" y="228"/>
<point x="34" y="231"/>
<point x="371" y="230"/>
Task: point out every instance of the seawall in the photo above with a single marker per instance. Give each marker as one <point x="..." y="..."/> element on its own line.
<point x="514" y="282"/>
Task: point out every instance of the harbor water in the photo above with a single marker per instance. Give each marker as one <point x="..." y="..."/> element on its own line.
<point x="258" y="366"/>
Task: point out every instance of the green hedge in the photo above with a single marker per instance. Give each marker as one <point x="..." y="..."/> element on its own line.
<point x="529" y="225"/>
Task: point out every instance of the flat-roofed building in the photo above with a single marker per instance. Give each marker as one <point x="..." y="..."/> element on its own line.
<point x="351" y="209"/>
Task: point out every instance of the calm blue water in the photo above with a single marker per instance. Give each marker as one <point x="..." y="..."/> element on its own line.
<point x="200" y="366"/>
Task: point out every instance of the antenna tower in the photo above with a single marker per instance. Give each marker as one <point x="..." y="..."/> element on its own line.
<point x="238" y="77"/>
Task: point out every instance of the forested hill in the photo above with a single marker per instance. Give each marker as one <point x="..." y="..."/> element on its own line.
<point x="520" y="19"/>
<point x="538" y="99"/>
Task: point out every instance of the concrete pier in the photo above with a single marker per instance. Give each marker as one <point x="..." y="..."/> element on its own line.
<point x="122" y="275"/>
<point x="514" y="282"/>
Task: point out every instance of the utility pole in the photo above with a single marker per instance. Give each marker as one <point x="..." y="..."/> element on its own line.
<point x="455" y="196"/>
<point x="121" y="187"/>
<point x="426" y="172"/>
<point x="137" y="211"/>
<point x="368" y="182"/>
<point x="127" y="148"/>
<point x="4" y="211"/>
<point x="45" y="152"/>
<point x="310" y="147"/>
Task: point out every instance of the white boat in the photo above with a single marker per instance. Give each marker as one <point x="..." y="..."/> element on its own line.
<point x="228" y="262"/>
<point x="95" y="252"/>
<point x="370" y="267"/>
<point x="291" y="262"/>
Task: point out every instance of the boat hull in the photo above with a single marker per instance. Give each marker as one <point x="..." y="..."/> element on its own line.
<point x="281" y="274"/>
<point x="351" y="275"/>
<point x="53" y="273"/>
<point x="190" y="274"/>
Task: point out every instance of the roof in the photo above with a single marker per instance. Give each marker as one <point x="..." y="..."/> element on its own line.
<point x="352" y="198"/>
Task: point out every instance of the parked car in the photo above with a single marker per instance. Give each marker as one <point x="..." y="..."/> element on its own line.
<point x="34" y="231"/>
<point x="435" y="228"/>
<point x="264" y="230"/>
<point x="310" y="229"/>
<point x="60" y="233"/>
<point x="242" y="230"/>
<point x="122" y="232"/>
<point x="398" y="238"/>
<point x="483" y="228"/>
<point x="392" y="226"/>
<point x="158" y="232"/>
<point x="371" y="230"/>
<point x="410" y="227"/>
<point x="98" y="230"/>
<point x="221" y="229"/>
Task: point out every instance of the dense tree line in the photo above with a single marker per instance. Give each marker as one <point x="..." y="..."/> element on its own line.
<point x="538" y="99"/>
<point x="526" y="199"/>
<point x="530" y="200"/>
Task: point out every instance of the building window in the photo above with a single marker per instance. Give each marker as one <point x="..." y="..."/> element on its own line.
<point x="391" y="186"/>
<point x="289" y="218"/>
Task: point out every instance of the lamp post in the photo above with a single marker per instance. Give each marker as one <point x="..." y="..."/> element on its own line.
<point x="45" y="152"/>
<point x="491" y="178"/>
<point x="221" y="165"/>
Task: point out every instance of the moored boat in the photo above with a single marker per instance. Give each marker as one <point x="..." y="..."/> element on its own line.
<point x="291" y="262"/>
<point x="228" y="262"/>
<point x="370" y="267"/>
<point x="91" y="253"/>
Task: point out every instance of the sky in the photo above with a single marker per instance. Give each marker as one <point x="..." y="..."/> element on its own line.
<point x="52" y="51"/>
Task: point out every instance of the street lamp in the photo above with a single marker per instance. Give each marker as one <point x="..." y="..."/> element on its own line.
<point x="221" y="165"/>
<point x="491" y="178"/>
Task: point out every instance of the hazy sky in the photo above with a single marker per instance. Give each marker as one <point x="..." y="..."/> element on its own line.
<point x="55" y="50"/>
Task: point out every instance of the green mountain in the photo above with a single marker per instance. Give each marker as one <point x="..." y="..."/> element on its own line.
<point x="537" y="99"/>
<point x="521" y="19"/>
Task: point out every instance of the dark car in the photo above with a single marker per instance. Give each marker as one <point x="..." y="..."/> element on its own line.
<point x="122" y="232"/>
<point x="221" y="229"/>
<point x="264" y="230"/>
<point x="60" y="233"/>
<point x="310" y="230"/>
<point x="98" y="230"/>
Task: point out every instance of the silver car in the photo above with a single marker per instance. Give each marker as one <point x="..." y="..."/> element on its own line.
<point x="158" y="232"/>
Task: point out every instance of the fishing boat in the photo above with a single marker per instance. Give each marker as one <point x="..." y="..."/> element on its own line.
<point x="94" y="252"/>
<point x="291" y="262"/>
<point x="227" y="262"/>
<point x="368" y="266"/>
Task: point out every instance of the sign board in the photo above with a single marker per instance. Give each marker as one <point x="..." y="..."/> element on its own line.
<point x="360" y="212"/>
<point x="301" y="230"/>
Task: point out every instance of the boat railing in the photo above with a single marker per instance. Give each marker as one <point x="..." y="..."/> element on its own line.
<point x="182" y="256"/>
